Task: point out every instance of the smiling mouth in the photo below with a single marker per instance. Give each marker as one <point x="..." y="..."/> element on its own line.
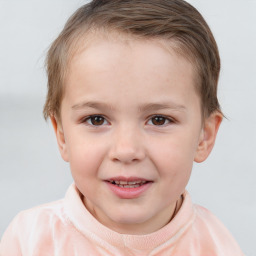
<point x="128" y="184"/>
<point x="128" y="187"/>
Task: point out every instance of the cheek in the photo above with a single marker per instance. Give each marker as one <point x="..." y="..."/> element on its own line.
<point x="174" y="159"/>
<point x="85" y="156"/>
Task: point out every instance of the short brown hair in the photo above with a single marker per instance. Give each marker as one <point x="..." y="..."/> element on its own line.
<point x="173" y="20"/>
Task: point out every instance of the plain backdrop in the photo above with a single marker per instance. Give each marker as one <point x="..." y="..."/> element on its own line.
<point x="31" y="170"/>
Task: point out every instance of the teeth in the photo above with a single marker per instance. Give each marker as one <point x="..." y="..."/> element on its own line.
<point x="132" y="182"/>
<point x="128" y="184"/>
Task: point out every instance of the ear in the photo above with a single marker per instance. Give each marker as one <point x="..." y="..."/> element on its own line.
<point x="208" y="136"/>
<point x="60" y="138"/>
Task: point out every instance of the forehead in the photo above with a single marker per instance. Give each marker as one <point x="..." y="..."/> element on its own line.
<point x="115" y="63"/>
<point x="92" y="39"/>
<point x="149" y="64"/>
<point x="93" y="36"/>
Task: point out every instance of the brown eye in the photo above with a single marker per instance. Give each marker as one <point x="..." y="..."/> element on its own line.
<point x="96" y="120"/>
<point x="159" y="120"/>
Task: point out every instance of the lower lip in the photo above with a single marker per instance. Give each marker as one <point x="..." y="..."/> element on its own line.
<point x="129" y="193"/>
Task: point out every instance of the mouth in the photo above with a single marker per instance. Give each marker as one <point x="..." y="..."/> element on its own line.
<point x="128" y="188"/>
<point x="128" y="184"/>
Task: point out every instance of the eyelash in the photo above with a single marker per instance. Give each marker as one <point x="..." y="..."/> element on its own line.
<point x="164" y="118"/>
<point x="103" y="120"/>
<point x="88" y="120"/>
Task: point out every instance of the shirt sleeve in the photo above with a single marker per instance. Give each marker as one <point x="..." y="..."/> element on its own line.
<point x="10" y="245"/>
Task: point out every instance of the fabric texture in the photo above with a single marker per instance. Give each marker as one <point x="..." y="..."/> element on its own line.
<point x="66" y="228"/>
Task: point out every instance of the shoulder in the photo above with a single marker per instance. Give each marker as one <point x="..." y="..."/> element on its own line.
<point x="208" y="222"/>
<point x="47" y="213"/>
<point x="214" y="234"/>
<point x="33" y="224"/>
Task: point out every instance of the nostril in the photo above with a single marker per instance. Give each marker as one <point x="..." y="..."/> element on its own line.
<point x="126" y="159"/>
<point x="127" y="150"/>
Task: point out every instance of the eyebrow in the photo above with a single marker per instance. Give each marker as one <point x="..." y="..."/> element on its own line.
<point x="161" y="106"/>
<point x="92" y="104"/>
<point x="145" y="107"/>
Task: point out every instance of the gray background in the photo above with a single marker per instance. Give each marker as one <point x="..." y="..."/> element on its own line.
<point x="31" y="170"/>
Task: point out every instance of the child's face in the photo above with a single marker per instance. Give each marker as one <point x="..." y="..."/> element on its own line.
<point x="131" y="113"/>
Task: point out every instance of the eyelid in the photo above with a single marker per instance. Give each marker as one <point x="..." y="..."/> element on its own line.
<point x="169" y="119"/>
<point x="85" y="120"/>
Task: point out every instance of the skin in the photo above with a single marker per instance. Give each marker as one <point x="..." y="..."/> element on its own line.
<point x="149" y="126"/>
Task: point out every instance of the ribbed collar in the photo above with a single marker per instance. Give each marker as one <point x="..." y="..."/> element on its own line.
<point x="89" y="226"/>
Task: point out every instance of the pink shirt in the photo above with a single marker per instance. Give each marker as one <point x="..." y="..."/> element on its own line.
<point x="66" y="228"/>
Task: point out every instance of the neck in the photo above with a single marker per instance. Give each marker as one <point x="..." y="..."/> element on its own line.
<point x="155" y="223"/>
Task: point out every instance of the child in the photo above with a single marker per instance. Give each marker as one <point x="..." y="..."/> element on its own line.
<point x="132" y="96"/>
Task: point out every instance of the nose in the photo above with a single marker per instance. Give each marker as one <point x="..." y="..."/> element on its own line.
<point x="127" y="146"/>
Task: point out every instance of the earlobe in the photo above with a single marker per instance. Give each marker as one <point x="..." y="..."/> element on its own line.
<point x="208" y="136"/>
<point x="60" y="138"/>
